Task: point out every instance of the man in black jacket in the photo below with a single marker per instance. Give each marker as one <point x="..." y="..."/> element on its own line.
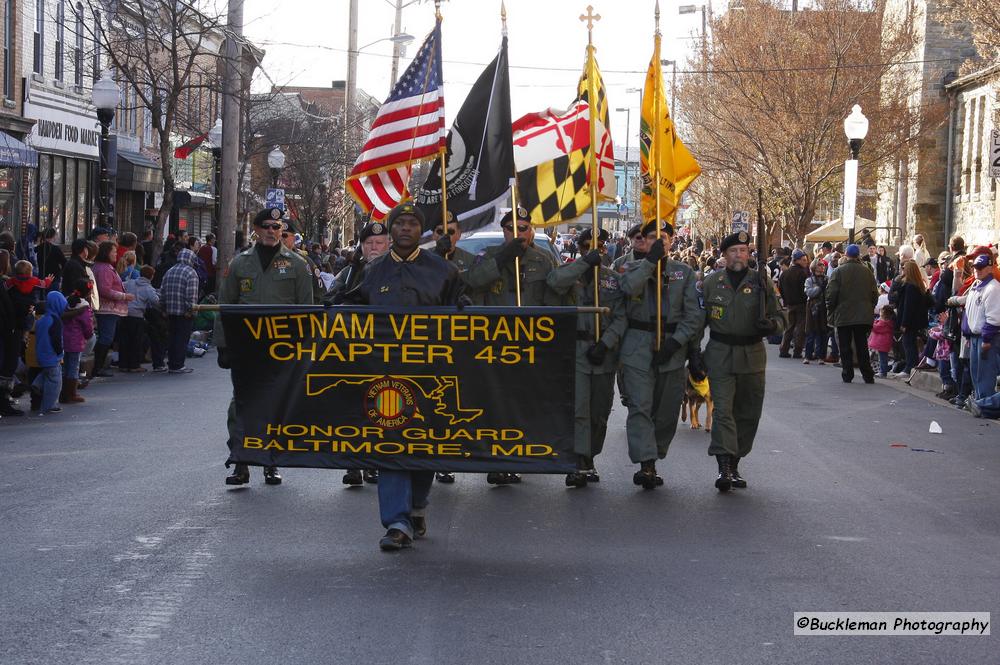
<point x="792" y="285"/>
<point x="76" y="268"/>
<point x="406" y="277"/>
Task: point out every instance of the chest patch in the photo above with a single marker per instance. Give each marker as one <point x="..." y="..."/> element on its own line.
<point x="246" y="285"/>
<point x="677" y="274"/>
<point x="715" y="313"/>
<point x="608" y="284"/>
<point x="281" y="265"/>
<point x="747" y="290"/>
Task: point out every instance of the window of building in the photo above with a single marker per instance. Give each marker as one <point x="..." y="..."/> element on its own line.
<point x="70" y="179"/>
<point x="82" y="200"/>
<point x="967" y="147"/>
<point x="96" y="64"/>
<point x="58" y="197"/>
<point x="977" y="164"/>
<point x="38" y="48"/>
<point x="134" y="111"/>
<point x="147" y="120"/>
<point x="78" y="53"/>
<point x="60" y="39"/>
<point x="8" y="49"/>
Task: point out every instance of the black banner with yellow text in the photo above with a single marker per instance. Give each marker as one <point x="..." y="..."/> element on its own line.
<point x="474" y="390"/>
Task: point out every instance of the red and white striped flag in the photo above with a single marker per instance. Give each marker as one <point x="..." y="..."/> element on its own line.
<point x="409" y="128"/>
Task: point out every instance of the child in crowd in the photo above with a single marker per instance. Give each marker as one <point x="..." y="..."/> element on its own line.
<point x="880" y="339"/>
<point x="942" y="354"/>
<point x="77" y="331"/>
<point x="132" y="329"/>
<point x="126" y="267"/>
<point x="49" y="352"/>
<point x="26" y="291"/>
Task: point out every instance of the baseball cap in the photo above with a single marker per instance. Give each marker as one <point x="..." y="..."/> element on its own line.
<point x="797" y="254"/>
<point x="982" y="261"/>
<point x="853" y="251"/>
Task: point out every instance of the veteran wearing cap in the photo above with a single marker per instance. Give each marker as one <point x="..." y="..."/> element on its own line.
<point x="492" y="281"/>
<point x="291" y="240"/>
<point x="266" y="274"/>
<point x="596" y="356"/>
<point x="635" y="253"/>
<point x="373" y="242"/>
<point x="406" y="277"/>
<point x="446" y="246"/>
<point x="653" y="373"/>
<point x="741" y="308"/>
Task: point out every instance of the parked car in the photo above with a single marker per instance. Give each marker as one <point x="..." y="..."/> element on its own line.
<point x="477" y="242"/>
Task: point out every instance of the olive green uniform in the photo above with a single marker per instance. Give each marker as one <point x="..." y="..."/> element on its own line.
<point x="494" y="285"/>
<point x="618" y="265"/>
<point x="654" y="393"/>
<point x="736" y="357"/>
<point x="595" y="389"/>
<point x="317" y="282"/>
<point x="287" y="281"/>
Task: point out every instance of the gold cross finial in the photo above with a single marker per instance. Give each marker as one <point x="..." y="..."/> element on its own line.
<point x="590" y="17"/>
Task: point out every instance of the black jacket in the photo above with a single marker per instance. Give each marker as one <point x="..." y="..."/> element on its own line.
<point x="51" y="260"/>
<point x="424" y="279"/>
<point x="792" y="285"/>
<point x="912" y="308"/>
<point x="74" y="271"/>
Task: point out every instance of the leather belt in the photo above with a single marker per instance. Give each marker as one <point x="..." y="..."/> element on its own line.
<point x="584" y="336"/>
<point x="650" y="326"/>
<point x="735" y="340"/>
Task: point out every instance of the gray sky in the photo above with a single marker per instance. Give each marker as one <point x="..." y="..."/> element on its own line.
<point x="542" y="33"/>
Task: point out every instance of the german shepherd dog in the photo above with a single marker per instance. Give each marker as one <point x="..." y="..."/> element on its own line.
<point x="696" y="392"/>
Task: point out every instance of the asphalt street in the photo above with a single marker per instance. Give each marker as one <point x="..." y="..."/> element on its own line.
<point x="119" y="542"/>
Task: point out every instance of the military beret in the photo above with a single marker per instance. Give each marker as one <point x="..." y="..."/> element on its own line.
<point x="633" y="231"/>
<point x="650" y="226"/>
<point x="405" y="209"/>
<point x="372" y="229"/>
<point x="587" y="234"/>
<point x="741" y="238"/>
<point x="288" y="227"/>
<point x="522" y="216"/>
<point x="268" y="215"/>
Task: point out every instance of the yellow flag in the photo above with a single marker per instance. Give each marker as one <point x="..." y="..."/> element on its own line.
<point x="664" y="156"/>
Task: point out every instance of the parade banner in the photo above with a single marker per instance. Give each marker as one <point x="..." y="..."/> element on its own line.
<point x="438" y="389"/>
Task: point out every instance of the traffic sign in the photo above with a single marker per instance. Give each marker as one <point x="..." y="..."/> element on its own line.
<point x="741" y="221"/>
<point x="275" y="198"/>
<point x="995" y="153"/>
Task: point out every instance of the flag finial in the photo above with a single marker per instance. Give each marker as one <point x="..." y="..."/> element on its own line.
<point x="437" y="9"/>
<point x="503" y="17"/>
<point x="590" y="17"/>
<point x="656" y="14"/>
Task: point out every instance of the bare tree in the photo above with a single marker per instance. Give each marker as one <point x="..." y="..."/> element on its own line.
<point x="767" y="109"/>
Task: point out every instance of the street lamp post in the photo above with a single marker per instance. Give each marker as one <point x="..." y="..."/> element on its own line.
<point x="215" y="138"/>
<point x="856" y="129"/>
<point x="636" y="193"/>
<point x="673" y="89"/>
<point x="691" y="9"/>
<point x="628" y="123"/>
<point x="105" y="97"/>
<point x="276" y="162"/>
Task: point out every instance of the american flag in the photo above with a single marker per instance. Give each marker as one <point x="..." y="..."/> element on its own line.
<point x="409" y="128"/>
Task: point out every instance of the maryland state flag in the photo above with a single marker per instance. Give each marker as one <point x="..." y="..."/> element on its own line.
<point x="664" y="155"/>
<point x="552" y="151"/>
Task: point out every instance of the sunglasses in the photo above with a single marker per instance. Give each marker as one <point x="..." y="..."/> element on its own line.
<point x="439" y="231"/>
<point x="521" y="228"/>
<point x="271" y="227"/>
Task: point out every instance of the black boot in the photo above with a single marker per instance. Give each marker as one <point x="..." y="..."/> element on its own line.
<point x="271" y="476"/>
<point x="724" y="481"/>
<point x="240" y="475"/>
<point x="353" y="477"/>
<point x="576" y="479"/>
<point x="734" y="471"/>
<point x="496" y="478"/>
<point x="646" y="476"/>
<point x="370" y="476"/>
<point x="445" y="477"/>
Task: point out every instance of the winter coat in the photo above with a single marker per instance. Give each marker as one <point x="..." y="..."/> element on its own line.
<point x="815" y="289"/>
<point x="79" y="329"/>
<point x="25" y="293"/>
<point x="880" y="338"/>
<point x="49" y="331"/>
<point x="74" y="270"/>
<point x="912" y="308"/>
<point x="851" y="295"/>
<point x="109" y="287"/>
<point x="145" y="296"/>
<point x="791" y="284"/>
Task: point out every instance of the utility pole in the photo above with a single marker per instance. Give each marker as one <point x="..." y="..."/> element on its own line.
<point x="350" y="96"/>
<point x="397" y="48"/>
<point x="232" y="89"/>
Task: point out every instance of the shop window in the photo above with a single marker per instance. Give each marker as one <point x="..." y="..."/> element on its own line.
<point x="78" y="53"/>
<point x="58" y="197"/>
<point x="44" y="191"/>
<point x="38" y="45"/>
<point x="82" y="200"/>
<point x="70" y="199"/>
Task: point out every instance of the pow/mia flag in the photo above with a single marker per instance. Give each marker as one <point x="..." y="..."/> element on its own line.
<point x="480" y="157"/>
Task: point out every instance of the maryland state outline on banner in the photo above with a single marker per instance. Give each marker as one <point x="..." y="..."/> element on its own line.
<point x="476" y="390"/>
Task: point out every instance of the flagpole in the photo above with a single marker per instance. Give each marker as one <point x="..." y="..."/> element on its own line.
<point x="513" y="188"/>
<point x="443" y="154"/>
<point x="655" y="149"/>
<point x="590" y="17"/>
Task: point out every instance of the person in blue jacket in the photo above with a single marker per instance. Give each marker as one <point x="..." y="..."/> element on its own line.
<point x="49" y="352"/>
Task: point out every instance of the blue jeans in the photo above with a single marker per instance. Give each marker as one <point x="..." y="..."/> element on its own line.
<point x="816" y="346"/>
<point x="401" y="493"/>
<point x="107" y="324"/>
<point x="180" y="332"/>
<point x="834" y="348"/>
<point x="71" y="365"/>
<point x="984" y="370"/>
<point x="944" y="371"/>
<point x="990" y="405"/>
<point x="49" y="382"/>
<point x="883" y="362"/>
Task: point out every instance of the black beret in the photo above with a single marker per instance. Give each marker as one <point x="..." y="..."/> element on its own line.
<point x="288" y="227"/>
<point x="650" y="226"/>
<point x="268" y="215"/>
<point x="741" y="238"/>
<point x="522" y="216"/>
<point x="372" y="229"/>
<point x="633" y="231"/>
<point x="587" y="233"/>
<point x="405" y="209"/>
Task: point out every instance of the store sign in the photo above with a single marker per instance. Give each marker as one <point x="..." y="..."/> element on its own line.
<point x="62" y="131"/>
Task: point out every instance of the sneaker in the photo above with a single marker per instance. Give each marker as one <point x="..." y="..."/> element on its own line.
<point x="820" y="362"/>
<point x="784" y="355"/>
<point x="805" y="361"/>
<point x="162" y="368"/>
<point x="900" y="375"/>
<point x="182" y="370"/>
<point x="55" y="409"/>
<point x="882" y="375"/>
<point x="974" y="408"/>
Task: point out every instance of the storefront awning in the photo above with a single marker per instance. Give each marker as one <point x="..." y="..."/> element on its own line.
<point x="138" y="173"/>
<point x="15" y="153"/>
